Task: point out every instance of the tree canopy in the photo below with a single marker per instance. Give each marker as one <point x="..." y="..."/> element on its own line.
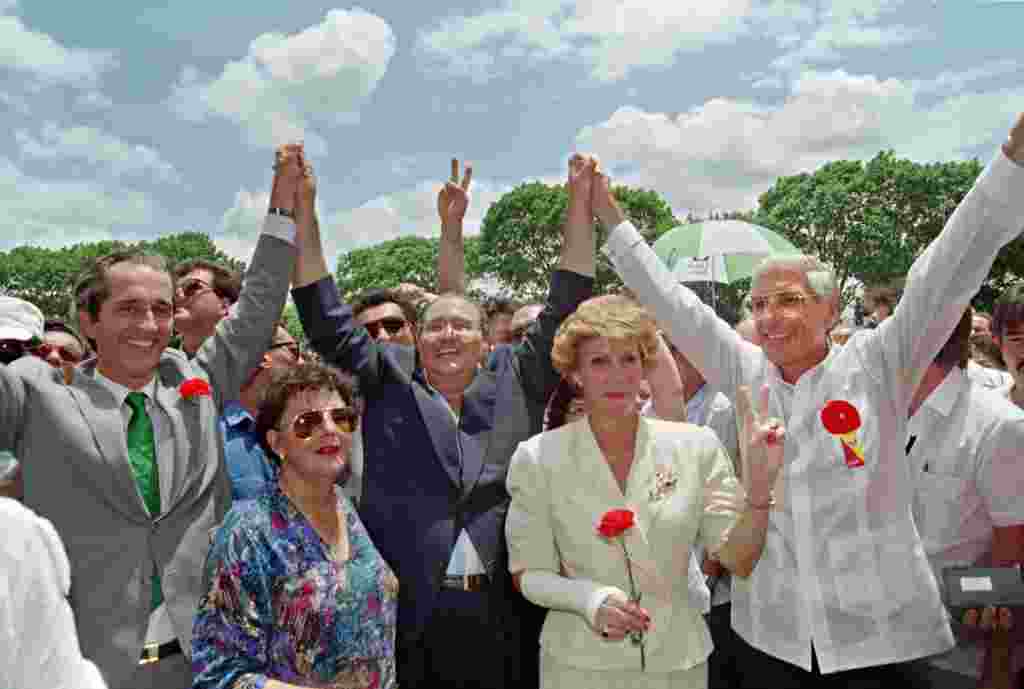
<point x="870" y="220"/>
<point x="45" y="276"/>
<point x="521" y="235"/>
<point x="406" y="259"/>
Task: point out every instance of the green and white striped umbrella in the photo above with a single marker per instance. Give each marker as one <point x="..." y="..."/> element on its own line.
<point x="720" y="251"/>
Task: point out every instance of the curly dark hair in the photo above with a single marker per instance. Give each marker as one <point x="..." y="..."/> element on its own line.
<point x="291" y="381"/>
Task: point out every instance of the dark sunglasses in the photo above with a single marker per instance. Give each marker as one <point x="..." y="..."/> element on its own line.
<point x="292" y="348"/>
<point x="304" y="425"/>
<point x="188" y="289"/>
<point x="44" y="350"/>
<point x="392" y="325"/>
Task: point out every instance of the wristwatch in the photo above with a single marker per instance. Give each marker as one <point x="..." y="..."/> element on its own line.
<point x="281" y="211"/>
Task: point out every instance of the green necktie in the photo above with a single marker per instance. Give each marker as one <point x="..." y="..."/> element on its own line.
<point x="142" y="456"/>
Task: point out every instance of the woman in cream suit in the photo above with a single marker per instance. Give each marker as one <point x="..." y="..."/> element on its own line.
<point x="677" y="481"/>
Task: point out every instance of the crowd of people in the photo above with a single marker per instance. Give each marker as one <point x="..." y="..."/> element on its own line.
<point x="618" y="490"/>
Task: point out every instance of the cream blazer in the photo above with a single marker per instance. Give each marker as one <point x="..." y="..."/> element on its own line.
<point x="681" y="487"/>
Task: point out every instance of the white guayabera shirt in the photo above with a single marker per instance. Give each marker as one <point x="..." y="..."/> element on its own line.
<point x="843" y="566"/>
<point x="38" y="642"/>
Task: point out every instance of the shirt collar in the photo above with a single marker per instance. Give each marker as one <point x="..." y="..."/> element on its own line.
<point x="236" y="415"/>
<point x="943" y="397"/>
<point x="119" y="391"/>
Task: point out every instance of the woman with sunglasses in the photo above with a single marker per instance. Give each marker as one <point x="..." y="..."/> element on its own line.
<point x="298" y="596"/>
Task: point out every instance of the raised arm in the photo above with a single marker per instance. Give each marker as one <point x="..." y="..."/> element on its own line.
<point x="722" y="357"/>
<point x="667" y="394"/>
<point x="949" y="273"/>
<point x="240" y="340"/>
<point x="741" y="548"/>
<point x="452" y="203"/>
<point x="571" y="284"/>
<point x="328" y="322"/>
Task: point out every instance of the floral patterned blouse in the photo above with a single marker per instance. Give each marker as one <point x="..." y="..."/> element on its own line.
<point x="280" y="605"/>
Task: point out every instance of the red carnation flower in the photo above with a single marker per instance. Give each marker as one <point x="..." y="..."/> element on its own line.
<point x="195" y="387"/>
<point x="615" y="522"/>
<point x="840" y="417"/>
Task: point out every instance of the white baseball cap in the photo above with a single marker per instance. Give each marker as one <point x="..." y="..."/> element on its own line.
<point x="19" y="319"/>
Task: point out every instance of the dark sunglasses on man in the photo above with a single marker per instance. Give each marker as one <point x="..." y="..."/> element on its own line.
<point x="66" y="355"/>
<point x="189" y="288"/>
<point x="304" y="425"/>
<point x="392" y="325"/>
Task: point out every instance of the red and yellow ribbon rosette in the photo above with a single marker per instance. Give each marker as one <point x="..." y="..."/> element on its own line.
<point x="841" y="419"/>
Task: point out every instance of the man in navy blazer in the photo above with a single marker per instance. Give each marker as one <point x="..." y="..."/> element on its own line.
<point x="439" y="432"/>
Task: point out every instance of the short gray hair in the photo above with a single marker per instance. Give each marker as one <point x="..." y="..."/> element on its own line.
<point x="819" y="275"/>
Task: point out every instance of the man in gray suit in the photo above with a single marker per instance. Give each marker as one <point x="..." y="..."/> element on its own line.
<point x="135" y="484"/>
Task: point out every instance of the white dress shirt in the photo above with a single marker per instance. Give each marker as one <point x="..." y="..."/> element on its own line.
<point x="987" y="377"/>
<point x="966" y="460"/>
<point x="843" y="566"/>
<point x="38" y="642"/>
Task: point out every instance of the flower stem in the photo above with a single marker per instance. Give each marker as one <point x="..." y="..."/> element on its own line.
<point x="636" y="638"/>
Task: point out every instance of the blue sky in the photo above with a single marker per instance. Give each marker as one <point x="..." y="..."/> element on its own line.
<point x="134" y="119"/>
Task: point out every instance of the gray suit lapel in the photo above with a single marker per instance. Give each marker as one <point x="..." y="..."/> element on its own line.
<point x="103" y="418"/>
<point x="189" y="434"/>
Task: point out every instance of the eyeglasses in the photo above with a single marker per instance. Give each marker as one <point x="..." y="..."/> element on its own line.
<point x="292" y="348"/>
<point x="785" y="301"/>
<point x="44" y="350"/>
<point x="189" y="288"/>
<point x="392" y="325"/>
<point x="304" y="425"/>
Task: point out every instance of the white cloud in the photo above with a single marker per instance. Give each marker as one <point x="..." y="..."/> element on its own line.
<point x="407" y="212"/>
<point x="286" y="85"/>
<point x="41" y="56"/>
<point x="843" y="25"/>
<point x="62" y="212"/>
<point x="612" y="37"/>
<point x="58" y="144"/>
<point x="722" y="154"/>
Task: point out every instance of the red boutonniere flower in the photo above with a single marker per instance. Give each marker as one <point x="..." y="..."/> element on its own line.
<point x="841" y="419"/>
<point x="613" y="526"/>
<point x="614" y="523"/>
<point x="195" y="387"/>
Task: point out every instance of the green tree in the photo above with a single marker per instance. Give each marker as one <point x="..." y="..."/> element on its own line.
<point x="405" y="259"/>
<point x="45" y="276"/>
<point x="871" y="220"/>
<point x="521" y="235"/>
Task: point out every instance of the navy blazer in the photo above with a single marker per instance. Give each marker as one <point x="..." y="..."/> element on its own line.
<point x="425" y="478"/>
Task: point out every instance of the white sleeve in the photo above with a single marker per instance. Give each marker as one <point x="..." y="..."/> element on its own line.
<point x="38" y="642"/>
<point x="945" y="278"/>
<point x="724" y="358"/>
<point x="580" y="596"/>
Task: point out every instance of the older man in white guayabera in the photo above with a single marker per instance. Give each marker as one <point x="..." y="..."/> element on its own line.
<point x="843" y="595"/>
